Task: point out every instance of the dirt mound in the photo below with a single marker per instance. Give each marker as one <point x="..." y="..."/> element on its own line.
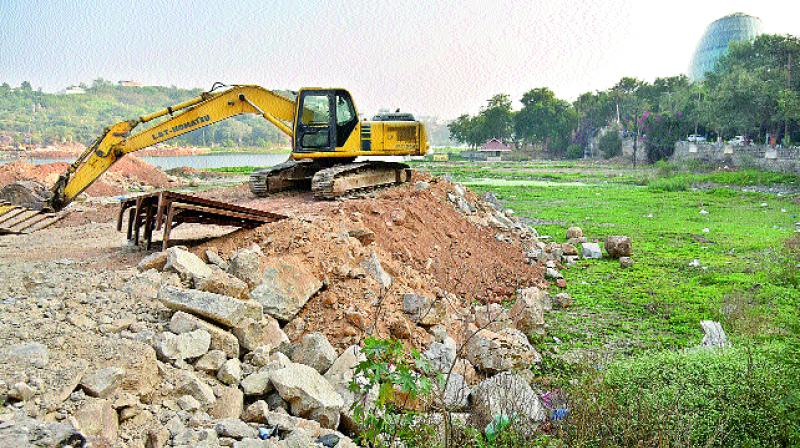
<point x="128" y="172"/>
<point x="423" y="242"/>
<point x="423" y="229"/>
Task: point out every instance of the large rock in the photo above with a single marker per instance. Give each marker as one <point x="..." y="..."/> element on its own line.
<point x="256" y="383"/>
<point x="23" y="431"/>
<point x="574" y="233"/>
<point x="309" y="394"/>
<point x="714" y="335"/>
<point x="618" y="246"/>
<point x="231" y="372"/>
<point x="192" y="344"/>
<point x="255" y="333"/>
<point x="256" y="412"/>
<point x="213" y="258"/>
<point x="424" y="311"/>
<point x="225" y="310"/>
<point x="372" y="265"/>
<point x="21" y="392"/>
<point x="211" y="361"/>
<point x="186" y="264"/>
<point x="196" y="438"/>
<point x="103" y="382"/>
<point x="497" y="352"/>
<point x="591" y="250"/>
<point x="528" y="311"/>
<point x="183" y="322"/>
<point x="220" y="282"/>
<point x="191" y="385"/>
<point x="505" y="394"/>
<point x="492" y="317"/>
<point x="340" y="375"/>
<point x="285" y="422"/>
<point x="98" y="418"/>
<point x="455" y="393"/>
<point x="229" y="403"/>
<point x="136" y="358"/>
<point x="315" y="351"/>
<point x="234" y="428"/>
<point x="441" y="355"/>
<point x="245" y="264"/>
<point x="286" y="286"/>
<point x="155" y="261"/>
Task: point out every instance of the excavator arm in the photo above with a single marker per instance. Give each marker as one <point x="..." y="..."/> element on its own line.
<point x="208" y="108"/>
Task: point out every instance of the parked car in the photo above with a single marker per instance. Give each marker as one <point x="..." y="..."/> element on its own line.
<point x="696" y="138"/>
<point x="739" y="140"/>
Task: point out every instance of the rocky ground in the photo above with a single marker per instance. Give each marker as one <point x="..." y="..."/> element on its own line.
<point x="250" y="338"/>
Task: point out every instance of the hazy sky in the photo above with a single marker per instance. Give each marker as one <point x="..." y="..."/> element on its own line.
<point x="427" y="57"/>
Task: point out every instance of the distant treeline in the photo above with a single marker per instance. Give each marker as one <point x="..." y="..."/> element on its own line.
<point x="754" y="92"/>
<point x="32" y="116"/>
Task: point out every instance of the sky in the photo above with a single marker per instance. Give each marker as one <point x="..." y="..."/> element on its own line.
<point x="440" y="58"/>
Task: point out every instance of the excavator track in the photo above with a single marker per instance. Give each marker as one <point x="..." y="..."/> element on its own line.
<point x="353" y="178"/>
<point x="289" y="175"/>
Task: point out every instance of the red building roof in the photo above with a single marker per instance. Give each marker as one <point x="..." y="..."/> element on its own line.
<point x="494" y="144"/>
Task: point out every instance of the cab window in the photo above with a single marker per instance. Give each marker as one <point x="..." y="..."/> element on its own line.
<point x="344" y="110"/>
<point x="316" y="110"/>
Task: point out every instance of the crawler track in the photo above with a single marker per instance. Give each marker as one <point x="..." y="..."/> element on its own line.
<point x="354" y="178"/>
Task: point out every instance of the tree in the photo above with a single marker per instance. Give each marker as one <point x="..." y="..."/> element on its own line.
<point x="752" y="89"/>
<point x="632" y="108"/>
<point x="594" y="112"/>
<point x="610" y="144"/>
<point x="468" y="130"/>
<point x="662" y="131"/>
<point x="493" y="121"/>
<point x="497" y="118"/>
<point x="546" y="120"/>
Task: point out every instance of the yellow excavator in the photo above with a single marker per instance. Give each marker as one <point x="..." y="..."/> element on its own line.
<point x="322" y="124"/>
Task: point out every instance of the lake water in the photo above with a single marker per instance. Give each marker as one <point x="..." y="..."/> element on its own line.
<point x="198" y="162"/>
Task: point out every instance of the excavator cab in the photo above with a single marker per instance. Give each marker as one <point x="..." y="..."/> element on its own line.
<point x="324" y="121"/>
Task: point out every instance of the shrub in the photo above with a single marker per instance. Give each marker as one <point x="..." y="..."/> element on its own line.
<point x="574" y="151"/>
<point x="732" y="398"/>
<point x="401" y="379"/>
<point x="675" y="183"/>
<point x="610" y="144"/>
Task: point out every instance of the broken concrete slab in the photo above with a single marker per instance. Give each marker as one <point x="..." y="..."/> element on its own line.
<point x="286" y="285"/>
<point x="255" y="333"/>
<point x="183" y="322"/>
<point x="216" y="307"/>
<point x="309" y="394"/>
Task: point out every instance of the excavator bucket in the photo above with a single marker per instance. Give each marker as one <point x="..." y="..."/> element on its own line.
<point x="16" y="219"/>
<point x="22" y="208"/>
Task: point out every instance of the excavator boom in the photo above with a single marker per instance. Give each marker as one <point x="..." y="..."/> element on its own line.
<point x="208" y="108"/>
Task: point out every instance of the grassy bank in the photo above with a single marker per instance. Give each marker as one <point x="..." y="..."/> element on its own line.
<point x="624" y="341"/>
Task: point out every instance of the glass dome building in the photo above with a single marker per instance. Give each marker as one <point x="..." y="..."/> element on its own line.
<point x="721" y="32"/>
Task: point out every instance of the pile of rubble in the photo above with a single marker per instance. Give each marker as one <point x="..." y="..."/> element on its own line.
<point x="128" y="174"/>
<point x="252" y="339"/>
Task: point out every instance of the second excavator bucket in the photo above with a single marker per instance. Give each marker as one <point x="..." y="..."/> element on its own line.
<point x="16" y="219"/>
<point x="23" y="208"/>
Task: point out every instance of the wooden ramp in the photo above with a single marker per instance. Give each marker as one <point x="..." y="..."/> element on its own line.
<point x="15" y="219"/>
<point x="167" y="210"/>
